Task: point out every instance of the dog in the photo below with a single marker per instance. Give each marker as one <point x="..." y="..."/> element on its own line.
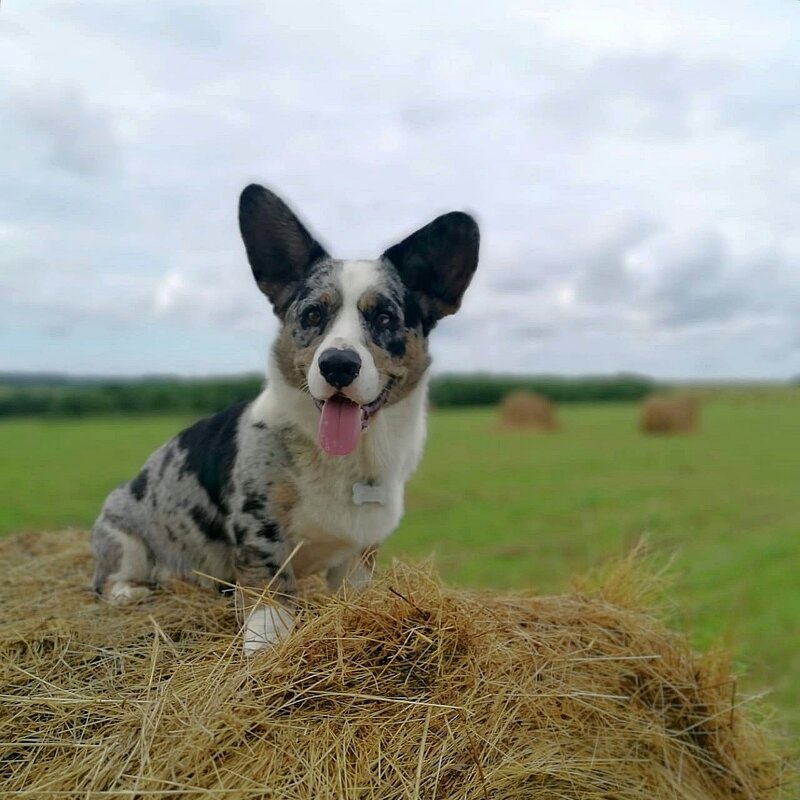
<point x="308" y="477"/>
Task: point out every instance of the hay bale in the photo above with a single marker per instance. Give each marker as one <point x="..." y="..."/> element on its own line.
<point x="527" y="411"/>
<point x="412" y="689"/>
<point x="669" y="414"/>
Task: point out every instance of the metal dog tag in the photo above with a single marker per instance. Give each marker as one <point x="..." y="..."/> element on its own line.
<point x="367" y="493"/>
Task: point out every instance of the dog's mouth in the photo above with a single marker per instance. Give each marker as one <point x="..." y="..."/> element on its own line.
<point x="341" y="421"/>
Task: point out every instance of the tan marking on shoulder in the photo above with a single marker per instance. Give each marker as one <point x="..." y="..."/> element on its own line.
<point x="283" y="497"/>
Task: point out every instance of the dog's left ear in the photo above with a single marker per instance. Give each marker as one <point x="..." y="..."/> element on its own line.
<point x="279" y="248"/>
<point x="437" y="263"/>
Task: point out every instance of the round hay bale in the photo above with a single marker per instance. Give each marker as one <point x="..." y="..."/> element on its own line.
<point x="670" y="414"/>
<point x="527" y="411"/>
<point x="411" y="689"/>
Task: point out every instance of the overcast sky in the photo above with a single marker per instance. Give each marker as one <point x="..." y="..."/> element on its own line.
<point x="634" y="165"/>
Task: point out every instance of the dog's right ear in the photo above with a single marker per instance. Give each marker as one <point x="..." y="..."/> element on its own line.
<point x="279" y="248"/>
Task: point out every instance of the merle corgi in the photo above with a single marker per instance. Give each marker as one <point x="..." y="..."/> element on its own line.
<point x="309" y="476"/>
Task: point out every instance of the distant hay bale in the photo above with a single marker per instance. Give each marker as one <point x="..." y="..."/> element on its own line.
<point x="669" y="414"/>
<point x="527" y="411"/>
<point x="411" y="689"/>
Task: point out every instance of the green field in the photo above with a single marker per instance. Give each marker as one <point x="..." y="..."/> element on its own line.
<point x="530" y="510"/>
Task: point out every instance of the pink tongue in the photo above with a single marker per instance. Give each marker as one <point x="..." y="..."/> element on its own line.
<point x="339" y="426"/>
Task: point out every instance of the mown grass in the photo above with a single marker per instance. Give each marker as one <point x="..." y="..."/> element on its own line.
<point x="529" y="510"/>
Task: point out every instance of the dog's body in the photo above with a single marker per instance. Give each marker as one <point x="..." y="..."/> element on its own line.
<point x="309" y="476"/>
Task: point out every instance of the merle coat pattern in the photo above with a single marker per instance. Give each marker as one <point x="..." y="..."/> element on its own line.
<point x="250" y="496"/>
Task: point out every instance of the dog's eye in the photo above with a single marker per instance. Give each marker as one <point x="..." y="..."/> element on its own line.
<point x="311" y="317"/>
<point x="383" y="320"/>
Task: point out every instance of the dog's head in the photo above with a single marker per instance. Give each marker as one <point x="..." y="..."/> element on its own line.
<point x="354" y="333"/>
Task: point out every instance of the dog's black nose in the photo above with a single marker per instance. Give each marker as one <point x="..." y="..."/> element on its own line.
<point x="339" y="367"/>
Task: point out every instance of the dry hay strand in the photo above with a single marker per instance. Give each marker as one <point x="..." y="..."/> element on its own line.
<point x="670" y="414"/>
<point x="527" y="411"/>
<point x="411" y="689"/>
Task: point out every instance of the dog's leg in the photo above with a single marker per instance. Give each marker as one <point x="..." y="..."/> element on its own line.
<point x="353" y="574"/>
<point x="123" y="564"/>
<point x="268" y="587"/>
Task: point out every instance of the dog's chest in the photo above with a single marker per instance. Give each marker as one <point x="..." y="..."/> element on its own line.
<point x="329" y="523"/>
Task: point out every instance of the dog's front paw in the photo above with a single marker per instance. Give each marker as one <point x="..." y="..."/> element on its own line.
<point x="123" y="593"/>
<point x="266" y="626"/>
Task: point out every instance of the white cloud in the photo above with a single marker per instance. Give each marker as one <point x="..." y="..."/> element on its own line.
<point x="76" y="138"/>
<point x="634" y="167"/>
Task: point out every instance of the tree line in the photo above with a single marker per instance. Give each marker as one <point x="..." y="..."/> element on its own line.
<point x="49" y="395"/>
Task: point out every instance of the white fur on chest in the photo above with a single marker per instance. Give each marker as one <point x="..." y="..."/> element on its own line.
<point x="330" y="527"/>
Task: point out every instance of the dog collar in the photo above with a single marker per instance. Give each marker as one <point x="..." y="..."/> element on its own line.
<point x="367" y="493"/>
